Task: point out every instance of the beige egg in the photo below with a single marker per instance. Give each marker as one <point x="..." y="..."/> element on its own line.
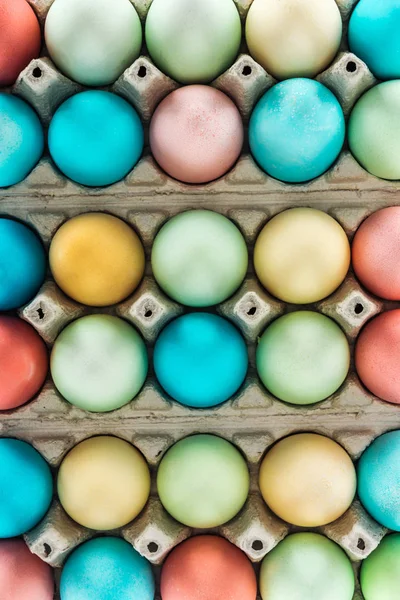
<point x="293" y="38"/>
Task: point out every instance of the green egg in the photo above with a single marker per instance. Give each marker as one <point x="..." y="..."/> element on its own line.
<point x="380" y="572"/>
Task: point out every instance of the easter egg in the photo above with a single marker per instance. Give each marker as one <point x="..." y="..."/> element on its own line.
<point x="374" y="130"/>
<point x="23" y="576"/>
<point x="22" y="264"/>
<point x="199" y="258"/>
<point x="293" y="38"/>
<point x="303" y="357"/>
<point x="193" y="41"/>
<point x="99" y="363"/>
<point x="203" y="481"/>
<point x="296" y="130"/>
<point x="300" y="566"/>
<point x="103" y="483"/>
<point x="379" y="479"/>
<point x="196" y="134"/>
<point x="95" y="138"/>
<point x="377" y="356"/>
<point x="96" y="259"/>
<point x="373" y="36"/>
<point x="20" y="39"/>
<point x="106" y="568"/>
<point x="207" y="567"/>
<point x="308" y="480"/>
<point x="200" y="359"/>
<point x="21" y="139"/>
<point x="27" y="487"/>
<point x="302" y="255"/>
<point x="23" y="362"/>
<point x="93" y="41"/>
<point x="380" y="571"/>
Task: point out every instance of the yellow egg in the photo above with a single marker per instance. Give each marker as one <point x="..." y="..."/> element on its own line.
<point x="308" y="480"/>
<point x="103" y="483"/>
<point x="302" y="255"/>
<point x="293" y="38"/>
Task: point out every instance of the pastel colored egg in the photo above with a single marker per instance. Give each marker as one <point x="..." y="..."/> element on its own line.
<point x="97" y="259"/>
<point x="302" y="255"/>
<point x="300" y="566"/>
<point x="193" y="41"/>
<point x="22" y="264"/>
<point x="377" y="356"/>
<point x="99" y="363"/>
<point x="303" y="357"/>
<point x="379" y="479"/>
<point x="200" y="359"/>
<point x="308" y="480"/>
<point x="199" y="258"/>
<point x="203" y="481"/>
<point x="23" y="576"/>
<point x="207" y="567"/>
<point x="380" y="571"/>
<point x="93" y="41"/>
<point x="27" y="487"/>
<point x="373" y="36"/>
<point x="106" y="568"/>
<point x="296" y="130"/>
<point x="21" y="139"/>
<point x="95" y="138"/>
<point x="20" y="39"/>
<point x="23" y="362"/>
<point x="293" y="38"/>
<point x="374" y="130"/>
<point x="376" y="253"/>
<point x="196" y="134"/>
<point x="103" y="483"/>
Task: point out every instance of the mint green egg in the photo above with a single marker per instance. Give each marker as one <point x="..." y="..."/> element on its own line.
<point x="380" y="572"/>
<point x="193" y="41"/>
<point x="303" y="357"/>
<point x="307" y="566"/>
<point x="99" y="363"/>
<point x="203" y="481"/>
<point x="374" y="130"/>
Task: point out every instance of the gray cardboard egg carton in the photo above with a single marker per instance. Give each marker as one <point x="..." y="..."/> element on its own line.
<point x="253" y="420"/>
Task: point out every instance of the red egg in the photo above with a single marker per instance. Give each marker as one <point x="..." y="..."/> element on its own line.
<point x="378" y="356"/>
<point x="23" y="576"/>
<point x="23" y="362"/>
<point x="376" y="253"/>
<point x="19" y="39"/>
<point x="208" y="567"/>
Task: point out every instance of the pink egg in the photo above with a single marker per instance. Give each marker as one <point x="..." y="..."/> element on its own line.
<point x="23" y="576"/>
<point x="196" y="134"/>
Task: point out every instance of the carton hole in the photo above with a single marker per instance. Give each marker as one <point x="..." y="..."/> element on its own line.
<point x="142" y="72"/>
<point x="37" y="72"/>
<point x="361" y="544"/>
<point x="257" y="545"/>
<point x="40" y="313"/>
<point x="46" y="550"/>
<point x="351" y="66"/>
<point x="148" y="313"/>
<point x="358" y="309"/>
<point x="252" y="311"/>
<point x="152" y="547"/>
<point x="246" y="71"/>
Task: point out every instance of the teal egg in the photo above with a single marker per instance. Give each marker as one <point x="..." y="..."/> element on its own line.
<point x="380" y="571"/>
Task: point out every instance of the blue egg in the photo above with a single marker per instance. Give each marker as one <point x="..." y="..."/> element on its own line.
<point x="26" y="487"/>
<point x="296" y="130"/>
<point x="96" y="138"/>
<point x="200" y="360"/>
<point x="379" y="480"/>
<point x="22" y="264"/>
<point x="374" y="36"/>
<point x="106" y="568"/>
<point x="21" y="139"/>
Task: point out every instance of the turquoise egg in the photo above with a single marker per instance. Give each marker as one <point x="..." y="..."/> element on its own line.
<point x="95" y="138"/>
<point x="106" y="568"/>
<point x="21" y="139"/>
<point x="200" y="360"/>
<point x="296" y="130"/>
<point x="379" y="480"/>
<point x="22" y="264"/>
<point x="26" y="487"/>
<point x="374" y="36"/>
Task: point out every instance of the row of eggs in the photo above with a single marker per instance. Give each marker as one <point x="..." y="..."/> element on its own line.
<point x="296" y="132"/>
<point x="194" y="41"/>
